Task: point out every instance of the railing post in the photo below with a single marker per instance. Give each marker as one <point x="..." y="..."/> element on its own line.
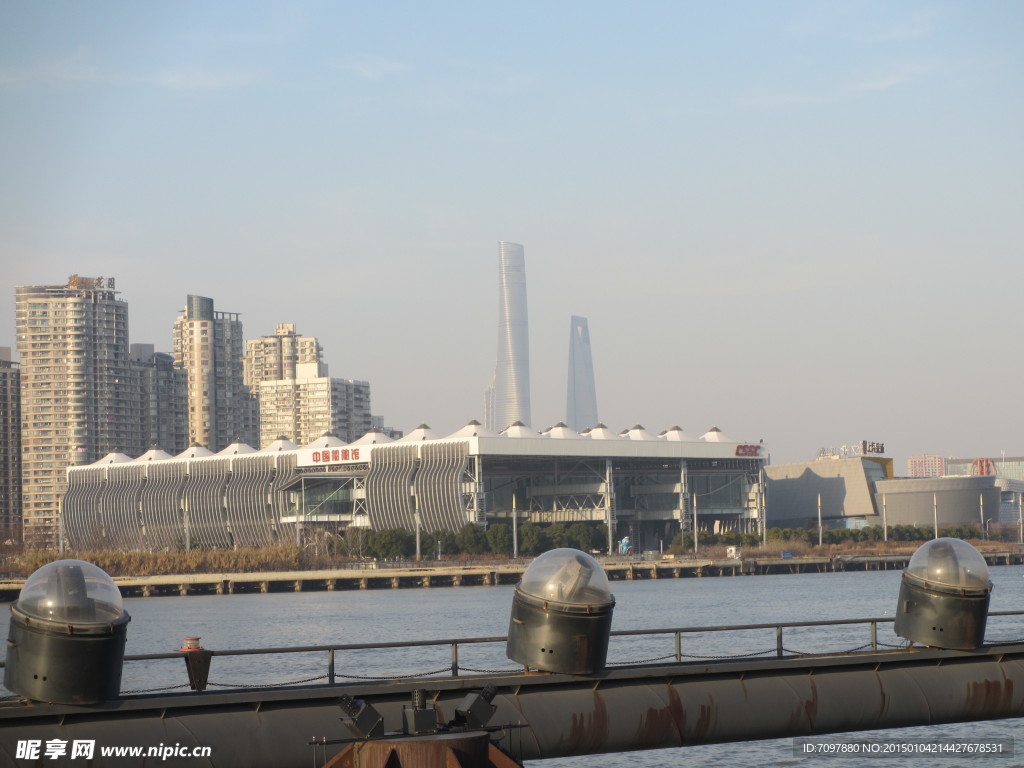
<point x="455" y="659"/>
<point x="778" y="641"/>
<point x="874" y="635"/>
<point x="679" y="648"/>
<point x="330" y="666"/>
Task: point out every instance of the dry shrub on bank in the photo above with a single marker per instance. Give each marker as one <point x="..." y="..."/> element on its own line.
<point x="280" y="558"/>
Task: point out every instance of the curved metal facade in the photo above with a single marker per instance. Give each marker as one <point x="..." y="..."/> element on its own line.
<point x="161" y="505"/>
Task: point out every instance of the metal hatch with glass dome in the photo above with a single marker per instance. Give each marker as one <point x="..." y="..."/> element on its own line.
<point x="944" y="596"/>
<point x="67" y="635"/>
<point x="561" y="614"/>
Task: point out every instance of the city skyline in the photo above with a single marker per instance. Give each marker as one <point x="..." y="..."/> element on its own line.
<point x="797" y="222"/>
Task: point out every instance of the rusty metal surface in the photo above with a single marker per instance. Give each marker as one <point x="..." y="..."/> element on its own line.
<point x="622" y="709"/>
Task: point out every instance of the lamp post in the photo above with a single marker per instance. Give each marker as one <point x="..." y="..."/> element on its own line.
<point x="695" y="523"/>
<point x="819" y="520"/>
<point x="515" y="528"/>
<point x="885" y="523"/>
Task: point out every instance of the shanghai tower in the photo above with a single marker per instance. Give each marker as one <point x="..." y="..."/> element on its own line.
<point x="581" y="397"/>
<point x="508" y="397"/>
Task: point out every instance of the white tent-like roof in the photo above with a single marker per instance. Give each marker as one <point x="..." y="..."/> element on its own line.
<point x="327" y="440"/>
<point x="677" y="434"/>
<point x="114" y="457"/>
<point x="154" y="454"/>
<point x="422" y="432"/>
<point x="600" y="432"/>
<point x="281" y="444"/>
<point x="518" y="429"/>
<point x="637" y="432"/>
<point x="373" y="437"/>
<point x="715" y="435"/>
<point x="236" y="448"/>
<point x="195" y="452"/>
<point x="560" y="432"/>
<point x="473" y="429"/>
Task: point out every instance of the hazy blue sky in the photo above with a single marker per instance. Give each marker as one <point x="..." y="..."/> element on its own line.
<point x="797" y="221"/>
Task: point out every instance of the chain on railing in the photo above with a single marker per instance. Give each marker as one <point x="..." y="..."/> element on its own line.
<point x="454" y="669"/>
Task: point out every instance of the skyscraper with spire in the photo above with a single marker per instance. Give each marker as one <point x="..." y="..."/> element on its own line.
<point x="508" y="397"/>
<point x="581" y="394"/>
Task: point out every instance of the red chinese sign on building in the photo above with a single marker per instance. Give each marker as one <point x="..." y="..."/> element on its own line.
<point x="335" y="454"/>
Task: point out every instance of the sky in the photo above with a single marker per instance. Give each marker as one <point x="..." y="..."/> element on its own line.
<point x="800" y="222"/>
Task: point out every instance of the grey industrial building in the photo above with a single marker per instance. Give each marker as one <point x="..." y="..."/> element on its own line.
<point x="861" y="491"/>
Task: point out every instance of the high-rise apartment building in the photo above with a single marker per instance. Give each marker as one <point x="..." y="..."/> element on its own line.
<point x="285" y="355"/>
<point x="581" y="395"/>
<point x="10" y="448"/>
<point x="297" y="399"/>
<point x="926" y="465"/>
<point x="157" y="400"/>
<point x="507" y="399"/>
<point x="73" y="349"/>
<point x="302" y="410"/>
<point x="209" y="346"/>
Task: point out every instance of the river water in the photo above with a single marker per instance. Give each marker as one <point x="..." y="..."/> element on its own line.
<point x="317" y="618"/>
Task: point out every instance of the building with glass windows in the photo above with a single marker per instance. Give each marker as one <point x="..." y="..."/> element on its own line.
<point x="507" y="399"/>
<point x="75" y="395"/>
<point x="645" y="486"/>
<point x="10" y="448"/>
<point x="581" y="391"/>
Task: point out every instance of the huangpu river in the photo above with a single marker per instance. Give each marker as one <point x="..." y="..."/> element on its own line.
<point x="317" y="618"/>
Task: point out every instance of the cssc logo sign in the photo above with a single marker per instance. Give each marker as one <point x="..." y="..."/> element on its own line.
<point x="748" y="450"/>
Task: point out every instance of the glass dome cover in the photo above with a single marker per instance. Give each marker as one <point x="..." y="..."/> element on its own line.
<point x="567" y="576"/>
<point x="950" y="563"/>
<point x="71" y="592"/>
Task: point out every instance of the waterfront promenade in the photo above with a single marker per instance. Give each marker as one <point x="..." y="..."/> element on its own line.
<point x="429" y="574"/>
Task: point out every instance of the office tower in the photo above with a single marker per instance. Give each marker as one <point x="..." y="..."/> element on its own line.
<point x="158" y="400"/>
<point x="507" y="399"/>
<point x="208" y="346"/>
<point x="285" y="355"/>
<point x="73" y="350"/>
<point x="581" y="395"/>
<point x="10" y="448"/>
<point x="926" y="465"/>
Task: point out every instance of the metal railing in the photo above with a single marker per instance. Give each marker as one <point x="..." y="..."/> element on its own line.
<point x="331" y="675"/>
